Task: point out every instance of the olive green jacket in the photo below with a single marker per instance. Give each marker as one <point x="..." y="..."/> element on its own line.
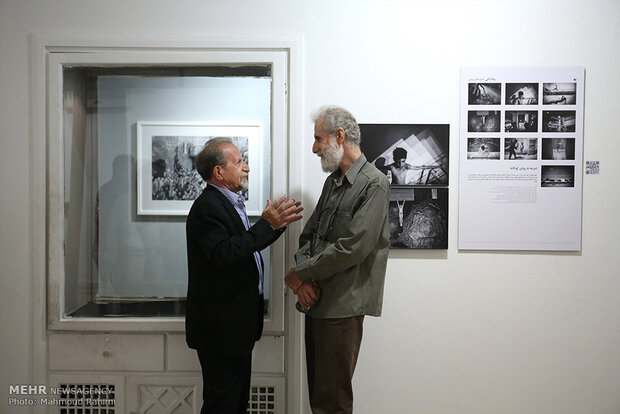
<point x="344" y="245"/>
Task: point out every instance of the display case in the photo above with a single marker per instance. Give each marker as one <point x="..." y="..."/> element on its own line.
<point x="122" y="147"/>
<point x="130" y="138"/>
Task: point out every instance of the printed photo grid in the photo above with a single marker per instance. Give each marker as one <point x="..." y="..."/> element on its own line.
<point x="520" y="159"/>
<point x="520" y="122"/>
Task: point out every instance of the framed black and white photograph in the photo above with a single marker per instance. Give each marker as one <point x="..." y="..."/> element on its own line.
<point x="418" y="218"/>
<point x="558" y="148"/>
<point x="167" y="180"/>
<point x="522" y="94"/>
<point x="557" y="176"/>
<point x="483" y="121"/>
<point x="521" y="149"/>
<point x="559" y="93"/>
<point x="558" y="121"/>
<point x="484" y="94"/>
<point x="408" y="154"/>
<point x="521" y="121"/>
<point x="483" y="148"/>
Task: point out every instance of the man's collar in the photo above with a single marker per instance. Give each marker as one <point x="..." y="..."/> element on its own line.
<point x="230" y="195"/>
<point x="352" y="172"/>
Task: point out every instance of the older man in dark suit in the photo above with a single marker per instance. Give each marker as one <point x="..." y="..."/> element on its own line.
<point x="224" y="315"/>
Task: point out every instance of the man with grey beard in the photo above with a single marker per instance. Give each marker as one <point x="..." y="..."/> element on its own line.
<point x="340" y="264"/>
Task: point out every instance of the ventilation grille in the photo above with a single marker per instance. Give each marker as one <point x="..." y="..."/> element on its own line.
<point x="262" y="400"/>
<point x="167" y="399"/>
<point x="87" y="399"/>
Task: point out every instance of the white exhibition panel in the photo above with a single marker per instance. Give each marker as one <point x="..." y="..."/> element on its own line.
<point x="511" y="200"/>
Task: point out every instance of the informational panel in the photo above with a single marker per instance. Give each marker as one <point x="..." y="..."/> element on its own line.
<point x="520" y="165"/>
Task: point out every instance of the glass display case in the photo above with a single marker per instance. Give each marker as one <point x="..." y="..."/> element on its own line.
<point x="129" y="139"/>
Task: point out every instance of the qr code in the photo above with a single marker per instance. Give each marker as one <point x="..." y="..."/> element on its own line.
<point x="592" y="167"/>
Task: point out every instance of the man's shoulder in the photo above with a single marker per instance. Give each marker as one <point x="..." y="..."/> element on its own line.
<point x="206" y="195"/>
<point x="209" y="199"/>
<point x="373" y="176"/>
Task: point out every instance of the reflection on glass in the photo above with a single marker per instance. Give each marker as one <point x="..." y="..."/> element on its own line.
<point x="119" y="263"/>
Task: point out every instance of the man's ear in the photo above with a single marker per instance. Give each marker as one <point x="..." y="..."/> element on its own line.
<point x="217" y="172"/>
<point x="340" y="136"/>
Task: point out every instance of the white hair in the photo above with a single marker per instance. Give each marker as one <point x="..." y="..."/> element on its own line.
<point x="335" y="117"/>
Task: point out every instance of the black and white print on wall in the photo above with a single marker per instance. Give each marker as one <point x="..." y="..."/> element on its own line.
<point x="408" y="154"/>
<point x="415" y="159"/>
<point x="419" y="218"/>
<point x="173" y="173"/>
<point x="167" y="180"/>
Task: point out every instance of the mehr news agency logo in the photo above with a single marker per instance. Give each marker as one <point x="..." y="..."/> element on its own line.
<point x="62" y="396"/>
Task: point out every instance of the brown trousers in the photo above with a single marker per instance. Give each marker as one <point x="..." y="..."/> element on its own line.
<point x="332" y="347"/>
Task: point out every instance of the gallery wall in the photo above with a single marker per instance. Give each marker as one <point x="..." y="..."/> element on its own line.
<point x="461" y="332"/>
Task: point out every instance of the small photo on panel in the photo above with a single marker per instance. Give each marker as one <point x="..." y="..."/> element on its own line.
<point x="484" y="94"/>
<point x="483" y="121"/>
<point x="559" y="121"/>
<point x="559" y="93"/>
<point x="521" y="121"/>
<point x="557" y="176"/>
<point x="558" y="149"/>
<point x="521" y="149"/>
<point x="483" y="148"/>
<point x="521" y="94"/>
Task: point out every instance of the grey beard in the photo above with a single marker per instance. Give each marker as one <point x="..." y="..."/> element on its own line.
<point x="331" y="157"/>
<point x="244" y="185"/>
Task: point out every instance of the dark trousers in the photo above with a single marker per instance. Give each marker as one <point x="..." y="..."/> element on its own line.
<point x="226" y="383"/>
<point x="332" y="347"/>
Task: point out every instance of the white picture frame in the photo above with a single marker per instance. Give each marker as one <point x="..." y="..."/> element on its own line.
<point x="167" y="182"/>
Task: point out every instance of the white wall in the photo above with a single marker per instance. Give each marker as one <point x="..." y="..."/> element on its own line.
<point x="462" y="332"/>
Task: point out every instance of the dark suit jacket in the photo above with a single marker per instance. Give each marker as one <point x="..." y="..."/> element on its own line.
<point x="224" y="313"/>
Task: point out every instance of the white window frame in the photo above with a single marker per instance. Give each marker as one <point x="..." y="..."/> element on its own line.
<point x="56" y="182"/>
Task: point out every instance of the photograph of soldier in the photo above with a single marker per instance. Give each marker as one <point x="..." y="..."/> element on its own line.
<point x="557" y="176"/>
<point x="408" y="154"/>
<point x="483" y="148"/>
<point x="558" y="121"/>
<point x="558" y="148"/>
<point x="521" y="94"/>
<point x="484" y="94"/>
<point x="483" y="121"/>
<point x="419" y="218"/>
<point x="521" y="121"/>
<point x="521" y="148"/>
<point x="559" y="93"/>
